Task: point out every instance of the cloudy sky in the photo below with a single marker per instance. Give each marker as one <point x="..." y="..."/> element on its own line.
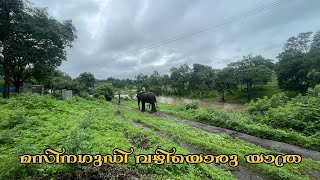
<point x="110" y="28"/>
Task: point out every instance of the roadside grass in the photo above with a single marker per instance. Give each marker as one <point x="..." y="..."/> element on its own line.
<point x="224" y="144"/>
<point x="31" y="123"/>
<point x="238" y="122"/>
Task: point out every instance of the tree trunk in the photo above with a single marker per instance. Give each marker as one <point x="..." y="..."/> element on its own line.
<point x="119" y="96"/>
<point x="6" y="84"/>
<point x="17" y="86"/>
<point x="249" y="91"/>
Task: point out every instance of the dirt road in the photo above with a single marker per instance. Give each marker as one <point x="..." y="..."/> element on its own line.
<point x="265" y="143"/>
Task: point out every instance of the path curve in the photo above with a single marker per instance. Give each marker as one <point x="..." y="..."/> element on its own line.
<point x="265" y="143"/>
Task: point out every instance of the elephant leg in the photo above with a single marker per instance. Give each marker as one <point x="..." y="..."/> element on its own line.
<point x="154" y="109"/>
<point x="143" y="106"/>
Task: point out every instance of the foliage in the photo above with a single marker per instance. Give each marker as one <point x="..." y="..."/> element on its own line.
<point x="187" y="106"/>
<point x="221" y="144"/>
<point x="225" y="81"/>
<point x="179" y="78"/>
<point x="86" y="82"/>
<point x="82" y="127"/>
<point x="104" y="89"/>
<point x="260" y="106"/>
<point x="301" y="113"/>
<point x="36" y="45"/>
<point x="252" y="70"/>
<point x="298" y="67"/>
<point x="255" y="124"/>
<point x="101" y="97"/>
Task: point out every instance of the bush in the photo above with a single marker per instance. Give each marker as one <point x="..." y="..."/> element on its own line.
<point x="187" y="106"/>
<point x="101" y="97"/>
<point x="285" y="118"/>
<point x="132" y="95"/>
<point x="301" y="113"/>
<point x="83" y="94"/>
<point x="264" y="104"/>
<point x="104" y="89"/>
<point x="56" y="95"/>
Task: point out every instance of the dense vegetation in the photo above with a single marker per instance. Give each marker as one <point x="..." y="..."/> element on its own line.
<point x="294" y="121"/>
<point x="282" y="99"/>
<point x="31" y="123"/>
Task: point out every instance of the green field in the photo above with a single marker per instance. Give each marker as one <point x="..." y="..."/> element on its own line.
<point x="31" y="123"/>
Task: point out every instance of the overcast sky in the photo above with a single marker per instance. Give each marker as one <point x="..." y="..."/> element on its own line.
<point x="109" y="28"/>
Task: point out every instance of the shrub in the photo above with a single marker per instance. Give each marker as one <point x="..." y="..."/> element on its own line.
<point x="264" y="104"/>
<point x="187" y="106"/>
<point x="83" y="94"/>
<point x="132" y="95"/>
<point x="104" y="89"/>
<point x="101" y="97"/>
<point x="56" y="95"/>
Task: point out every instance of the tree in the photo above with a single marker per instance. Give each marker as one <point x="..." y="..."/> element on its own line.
<point x="104" y="89"/>
<point x="60" y="80"/>
<point x="200" y="78"/>
<point x="179" y="78"/>
<point x="154" y="82"/>
<point x="299" y="63"/>
<point x="225" y="81"/>
<point x="141" y="81"/>
<point x="316" y="41"/>
<point x="86" y="81"/>
<point x="9" y="12"/>
<point x="165" y="82"/>
<point x="35" y="44"/>
<point x="251" y="70"/>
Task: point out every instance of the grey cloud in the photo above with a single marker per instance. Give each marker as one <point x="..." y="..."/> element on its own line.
<point x="107" y="29"/>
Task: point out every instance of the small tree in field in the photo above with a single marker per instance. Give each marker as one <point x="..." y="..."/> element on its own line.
<point x="252" y="70"/>
<point x="104" y="89"/>
<point x="225" y="81"/>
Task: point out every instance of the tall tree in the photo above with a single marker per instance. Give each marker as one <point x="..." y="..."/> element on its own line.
<point x="9" y="14"/>
<point x="154" y="82"/>
<point x="179" y="78"/>
<point x="36" y="44"/>
<point x="298" y="64"/>
<point x="225" y="81"/>
<point x="86" y="80"/>
<point x="251" y="70"/>
<point x="141" y="81"/>
<point x="200" y="78"/>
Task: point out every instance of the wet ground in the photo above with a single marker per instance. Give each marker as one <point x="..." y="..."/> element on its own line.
<point x="230" y="107"/>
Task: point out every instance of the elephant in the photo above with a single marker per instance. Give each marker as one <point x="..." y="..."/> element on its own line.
<point x="147" y="97"/>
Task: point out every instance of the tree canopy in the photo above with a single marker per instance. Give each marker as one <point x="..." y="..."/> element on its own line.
<point x="33" y="43"/>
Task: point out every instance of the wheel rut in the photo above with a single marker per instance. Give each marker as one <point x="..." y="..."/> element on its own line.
<point x="264" y="143"/>
<point x="240" y="172"/>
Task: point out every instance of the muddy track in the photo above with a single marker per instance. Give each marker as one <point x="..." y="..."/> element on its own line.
<point x="265" y="143"/>
<point x="240" y="172"/>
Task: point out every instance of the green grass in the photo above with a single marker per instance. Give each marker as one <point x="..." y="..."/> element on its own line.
<point x="223" y="144"/>
<point x="31" y="123"/>
<point x="238" y="122"/>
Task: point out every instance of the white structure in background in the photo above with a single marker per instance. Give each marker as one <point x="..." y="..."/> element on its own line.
<point x="66" y="94"/>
